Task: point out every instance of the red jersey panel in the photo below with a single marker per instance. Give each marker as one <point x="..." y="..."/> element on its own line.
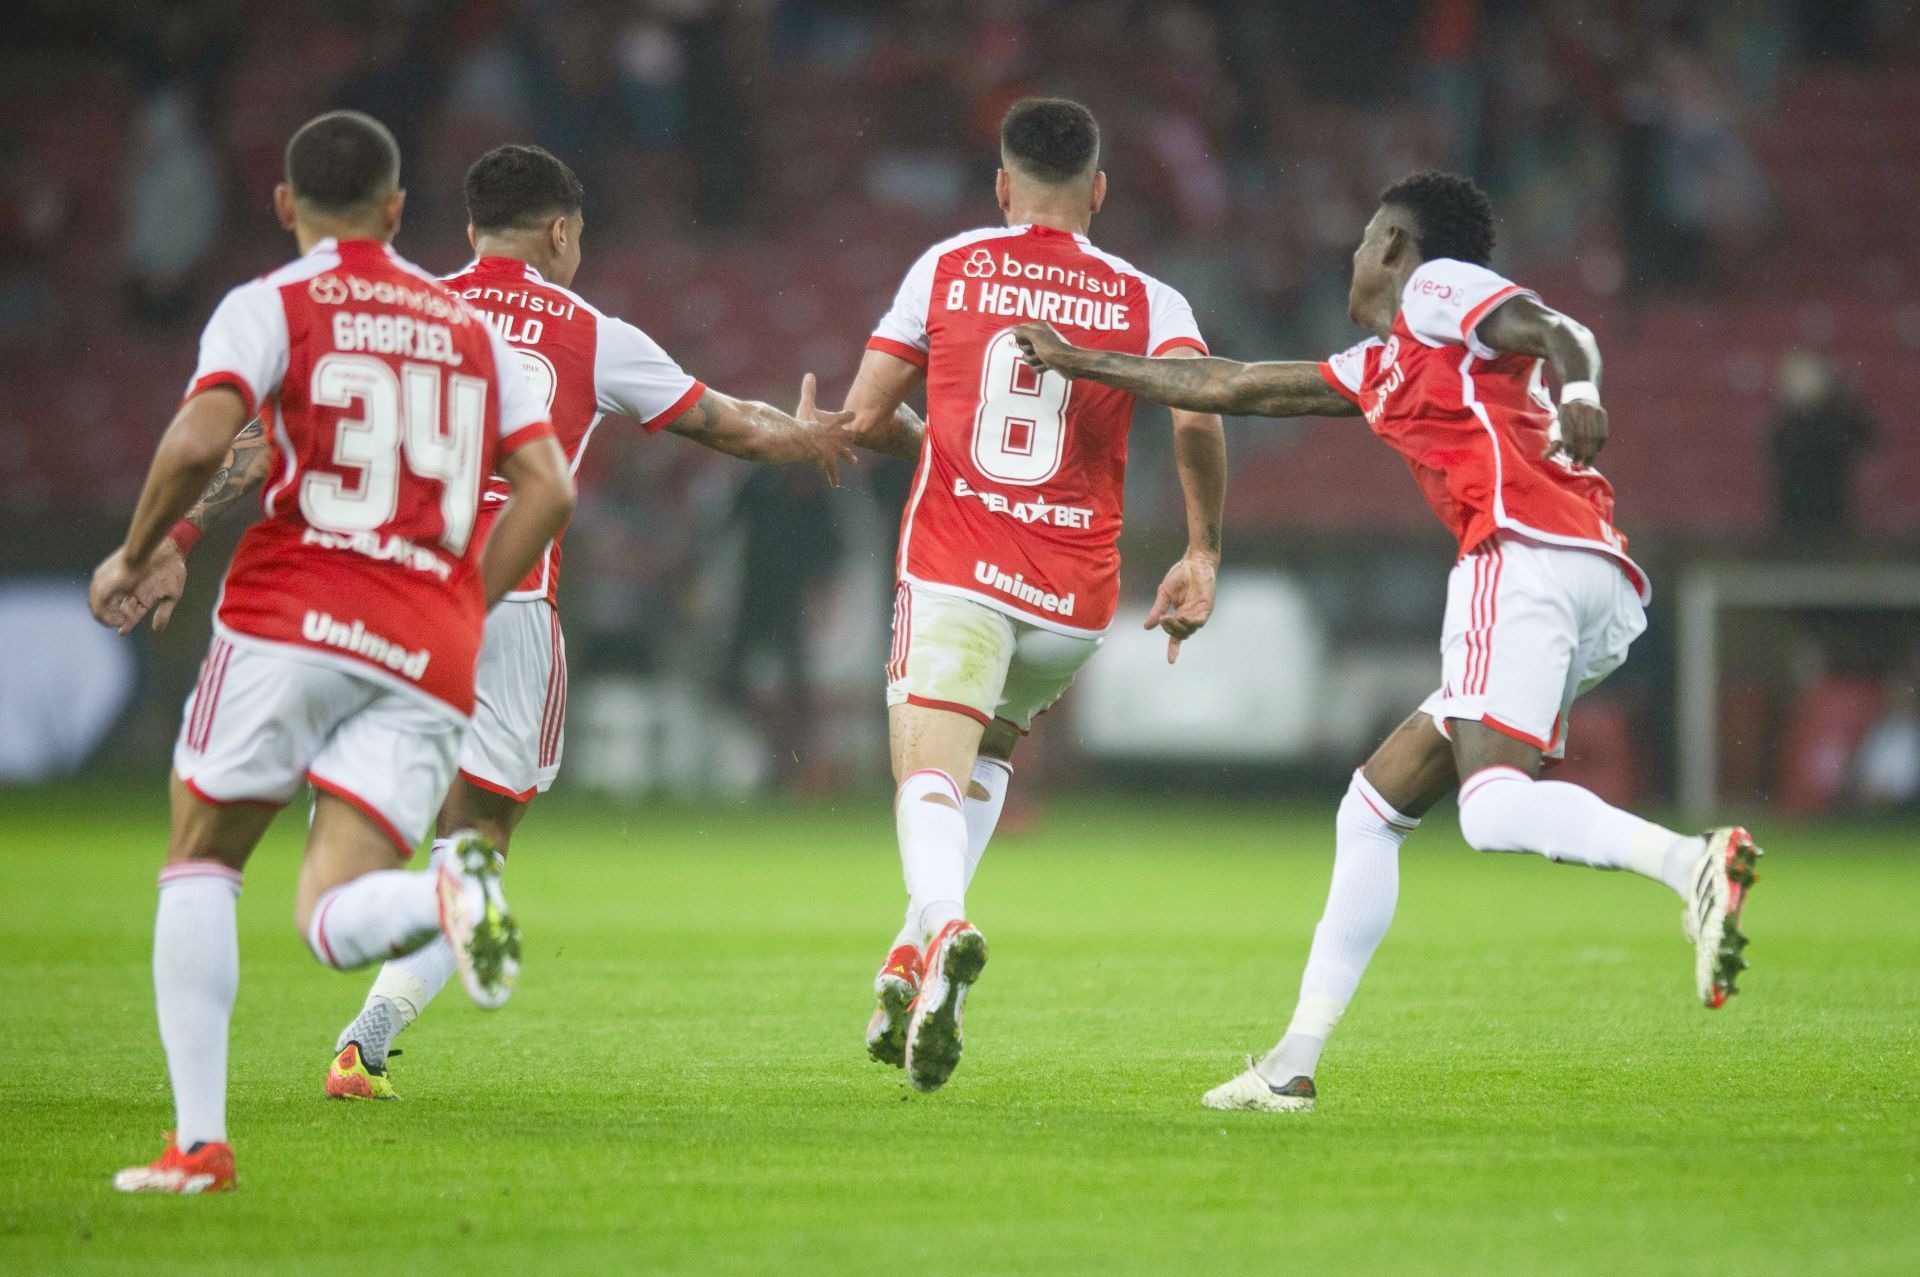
<point x="389" y="403"/>
<point x="1017" y="499"/>
<point x="1474" y="424"/>
<point x="582" y="363"/>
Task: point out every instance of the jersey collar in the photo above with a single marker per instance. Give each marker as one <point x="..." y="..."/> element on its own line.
<point x="1034" y="228"/>
<point x="506" y="265"/>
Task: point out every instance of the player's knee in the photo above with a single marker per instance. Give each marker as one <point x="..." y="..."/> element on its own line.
<point x="1491" y="809"/>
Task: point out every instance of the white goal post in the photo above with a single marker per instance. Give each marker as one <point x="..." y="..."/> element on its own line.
<point x="1707" y="590"/>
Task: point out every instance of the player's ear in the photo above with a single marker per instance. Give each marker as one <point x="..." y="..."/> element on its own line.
<point x="283" y="204"/>
<point x="396" y="204"/>
<point x="557" y="234"/>
<point x="1099" y="189"/>
<point x="1398" y="248"/>
<point x="1003" y="190"/>
<point x="473" y="239"/>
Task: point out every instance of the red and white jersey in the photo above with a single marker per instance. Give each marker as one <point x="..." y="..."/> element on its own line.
<point x="389" y="403"/>
<point x="1474" y="424"/>
<point x="583" y="363"/>
<point x="1017" y="498"/>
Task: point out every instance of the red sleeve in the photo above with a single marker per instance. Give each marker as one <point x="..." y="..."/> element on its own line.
<point x="524" y="436"/>
<point x="233" y="379"/>
<point x="899" y="350"/>
<point x="675" y="410"/>
<point x="1480" y="312"/>
<point x="1327" y="375"/>
<point x="1174" y="343"/>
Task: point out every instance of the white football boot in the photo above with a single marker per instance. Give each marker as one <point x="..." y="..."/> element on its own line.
<point x="1252" y="1091"/>
<point x="1722" y="877"/>
<point x="474" y="918"/>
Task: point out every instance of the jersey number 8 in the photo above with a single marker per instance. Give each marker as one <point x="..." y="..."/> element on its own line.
<point x="400" y="414"/>
<point x="1020" y="430"/>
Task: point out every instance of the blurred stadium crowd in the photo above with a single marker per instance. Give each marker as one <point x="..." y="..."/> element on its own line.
<point x="1718" y="187"/>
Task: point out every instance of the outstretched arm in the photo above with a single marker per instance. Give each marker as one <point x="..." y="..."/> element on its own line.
<point x="197" y="443"/>
<point x="1185" y="599"/>
<point x="761" y="432"/>
<point x="1292" y="389"/>
<point x="1524" y="326"/>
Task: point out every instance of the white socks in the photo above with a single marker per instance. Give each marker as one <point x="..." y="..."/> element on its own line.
<point x="378" y="915"/>
<point x="1503" y="809"/>
<point x="402" y="989"/>
<point x="992" y="775"/>
<point x="196" y="975"/>
<point x="1366" y="883"/>
<point x="982" y="815"/>
<point x="932" y="830"/>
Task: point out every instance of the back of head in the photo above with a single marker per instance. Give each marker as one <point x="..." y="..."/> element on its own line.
<point x="520" y="188"/>
<point x="1455" y="216"/>
<point x="1053" y="141"/>
<point x="343" y="165"/>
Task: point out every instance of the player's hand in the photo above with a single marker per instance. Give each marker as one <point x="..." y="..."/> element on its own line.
<point x="1185" y="600"/>
<point x="158" y="588"/>
<point x="831" y="433"/>
<point x="1043" y="348"/>
<point x="1583" y="432"/>
<point x="111" y="592"/>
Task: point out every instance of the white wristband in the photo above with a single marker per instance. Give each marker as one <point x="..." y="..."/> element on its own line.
<point x="1580" y="392"/>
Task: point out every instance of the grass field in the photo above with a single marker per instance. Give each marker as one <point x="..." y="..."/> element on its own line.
<point x="1524" y="1085"/>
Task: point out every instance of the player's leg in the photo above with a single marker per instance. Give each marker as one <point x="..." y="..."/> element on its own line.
<point x="386" y="768"/>
<point x="944" y="678"/>
<point x="1560" y="621"/>
<point x="1410" y="772"/>
<point x="510" y="753"/>
<point x="235" y="765"/>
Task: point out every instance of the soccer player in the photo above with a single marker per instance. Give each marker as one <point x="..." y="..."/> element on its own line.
<point x="525" y="227"/>
<point x="1542" y="603"/>
<point x="1008" y="570"/>
<point x="350" y="619"/>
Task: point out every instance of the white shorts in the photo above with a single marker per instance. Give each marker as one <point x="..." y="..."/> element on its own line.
<point x="954" y="653"/>
<point x="1529" y="628"/>
<point x="520" y="702"/>
<point x="263" y="720"/>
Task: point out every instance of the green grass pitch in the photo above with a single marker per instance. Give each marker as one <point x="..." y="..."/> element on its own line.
<point x="1524" y="1085"/>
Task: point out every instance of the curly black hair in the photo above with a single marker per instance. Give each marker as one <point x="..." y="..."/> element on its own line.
<point x="1454" y="215"/>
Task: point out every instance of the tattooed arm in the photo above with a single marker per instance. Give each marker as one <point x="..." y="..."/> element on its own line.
<point x="1293" y="389"/>
<point x="164" y="580"/>
<point x="244" y="470"/>
<point x="761" y="432"/>
<point x="900" y="435"/>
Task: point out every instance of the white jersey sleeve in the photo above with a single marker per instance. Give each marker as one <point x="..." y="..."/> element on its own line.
<point x="1445" y="300"/>
<point x="523" y="408"/>
<point x="902" y="331"/>
<point x="1346" y="372"/>
<point x="634" y="377"/>
<point x="245" y="345"/>
<point x="1170" y="321"/>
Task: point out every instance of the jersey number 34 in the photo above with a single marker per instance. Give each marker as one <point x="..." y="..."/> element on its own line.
<point x="1020" y="429"/>
<point x="401" y="424"/>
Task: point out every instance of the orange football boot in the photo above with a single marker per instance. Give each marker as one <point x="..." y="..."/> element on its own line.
<point x="207" y="1169"/>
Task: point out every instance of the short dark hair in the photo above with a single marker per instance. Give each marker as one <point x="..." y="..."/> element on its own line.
<point x="1052" y="139"/>
<point x="1454" y="215"/>
<point x="342" y="162"/>
<point x="519" y="188"/>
